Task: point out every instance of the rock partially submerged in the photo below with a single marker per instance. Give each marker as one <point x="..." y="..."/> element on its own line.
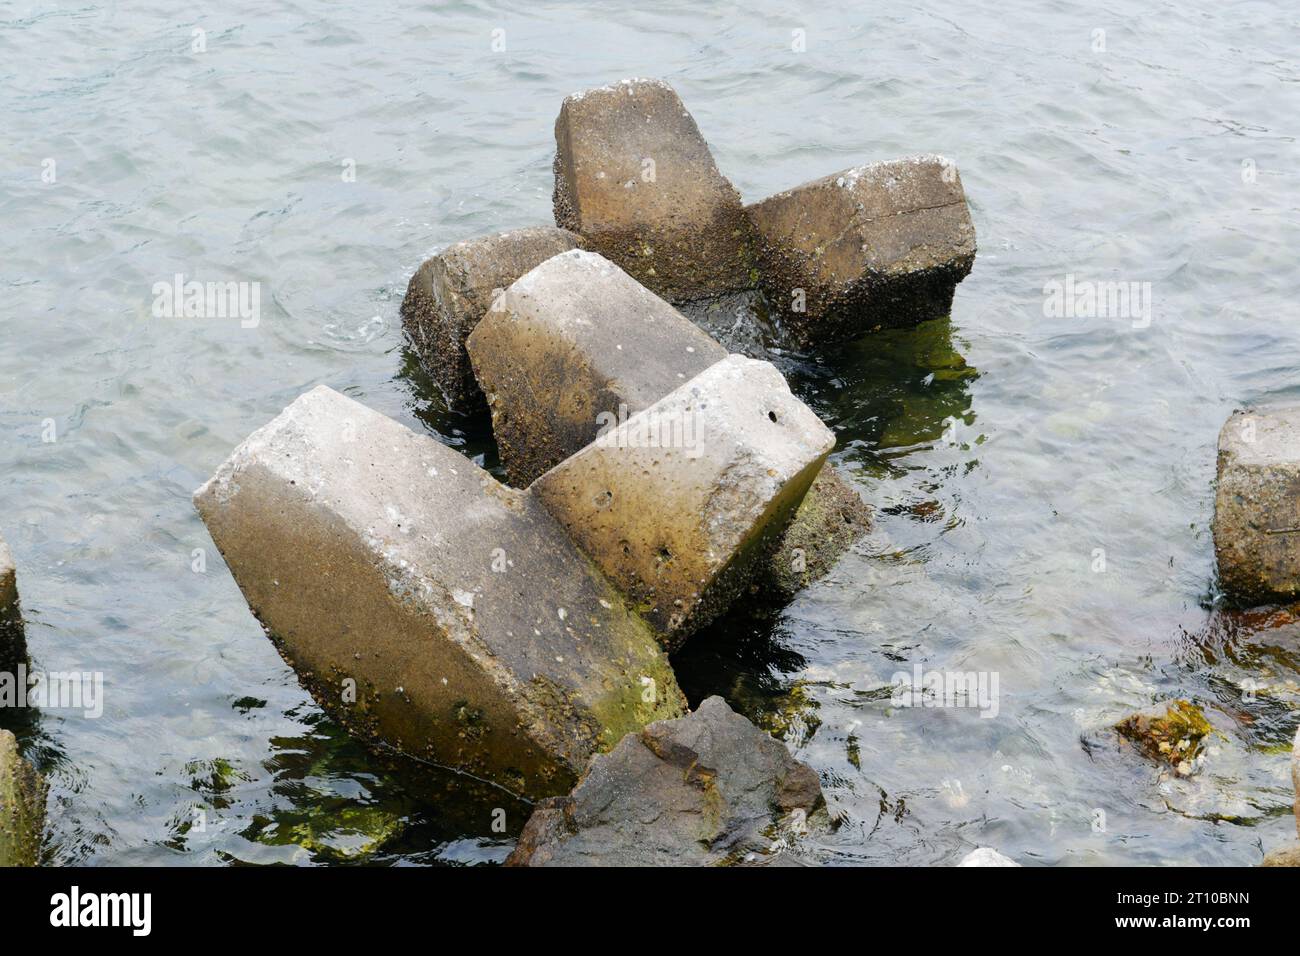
<point x="1257" y="505"/>
<point x="705" y="789"/>
<point x="875" y="246"/>
<point x="986" y="856"/>
<point x="450" y="292"/>
<point x="22" y="806"/>
<point x="576" y="345"/>
<point x="636" y="179"/>
<point x="679" y="504"/>
<point x="1170" y="733"/>
<point x="13" y="644"/>
<point x="425" y="605"/>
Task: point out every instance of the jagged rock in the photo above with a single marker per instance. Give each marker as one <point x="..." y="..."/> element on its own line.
<point x="576" y="344"/>
<point x="22" y="806"/>
<point x="636" y="179"/>
<point x="876" y="246"/>
<point x="1171" y="733"/>
<point x="985" y="856"/>
<point x="680" y="503"/>
<point x="705" y="789"/>
<point x="1257" y="505"/>
<point x="425" y="605"/>
<point x="13" y="644"/>
<point x="449" y="293"/>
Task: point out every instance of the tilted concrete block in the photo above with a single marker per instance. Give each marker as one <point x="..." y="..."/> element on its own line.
<point x="634" y="176"/>
<point x="13" y="643"/>
<point x="697" y="791"/>
<point x="1257" y="505"/>
<point x="23" y="792"/>
<point x="449" y="293"/>
<point x="427" y="606"/>
<point x="568" y="344"/>
<point x="680" y="503"/>
<point x="576" y="345"/>
<point x="882" y="245"/>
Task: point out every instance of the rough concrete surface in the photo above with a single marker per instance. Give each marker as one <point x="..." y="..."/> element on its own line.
<point x="425" y="605"/>
<point x="23" y="793"/>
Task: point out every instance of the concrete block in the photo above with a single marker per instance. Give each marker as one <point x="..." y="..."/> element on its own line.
<point x="449" y="293"/>
<point x="576" y="345"/>
<point x="13" y="643"/>
<point x="23" y="792"/>
<point x="696" y="791"/>
<point x="1257" y="505"/>
<point x="680" y="503"/>
<point x="876" y="246"/>
<point x="636" y="179"/>
<point x="425" y="605"/>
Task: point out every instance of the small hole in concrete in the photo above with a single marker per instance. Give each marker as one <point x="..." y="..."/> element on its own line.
<point x="772" y="415"/>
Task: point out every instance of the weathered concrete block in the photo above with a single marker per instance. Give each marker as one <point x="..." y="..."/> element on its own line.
<point x="882" y="245"/>
<point x="696" y="791"/>
<point x="22" y="806"/>
<point x="1257" y="505"/>
<point x="427" y="606"/>
<point x="13" y="644"/>
<point x="576" y="344"/>
<point x="634" y="176"/>
<point x="570" y="343"/>
<point x="680" y="503"/>
<point x="449" y="294"/>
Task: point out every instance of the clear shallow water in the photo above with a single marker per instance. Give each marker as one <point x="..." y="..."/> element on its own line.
<point x="1076" y="434"/>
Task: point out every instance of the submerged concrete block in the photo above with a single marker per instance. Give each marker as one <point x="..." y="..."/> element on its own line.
<point x="13" y="644"/>
<point x="634" y="176"/>
<point x="577" y="345"/>
<point x="680" y="503"/>
<point x="425" y="605"/>
<point x="450" y="292"/>
<point x="23" y="792"/>
<point x="1257" y="505"/>
<point x="882" y="245"/>
<point x="569" y="343"/>
<point x="696" y="791"/>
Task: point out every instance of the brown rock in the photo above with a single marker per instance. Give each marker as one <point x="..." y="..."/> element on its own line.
<point x="704" y="789"/>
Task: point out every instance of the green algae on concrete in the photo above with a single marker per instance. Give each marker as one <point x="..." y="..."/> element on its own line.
<point x="22" y="806"/>
<point x="426" y="606"/>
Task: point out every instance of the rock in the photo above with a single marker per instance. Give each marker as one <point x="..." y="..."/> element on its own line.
<point x="636" y="179"/>
<point x="1287" y="856"/>
<point x="449" y="294"/>
<point x="1171" y="733"/>
<point x="701" y="790"/>
<point x="984" y="856"/>
<point x="22" y="806"/>
<point x="570" y="342"/>
<point x="875" y="246"/>
<point x="426" y="606"/>
<point x="13" y="644"/>
<point x="578" y="343"/>
<point x="682" y="502"/>
<point x="1257" y="505"/>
